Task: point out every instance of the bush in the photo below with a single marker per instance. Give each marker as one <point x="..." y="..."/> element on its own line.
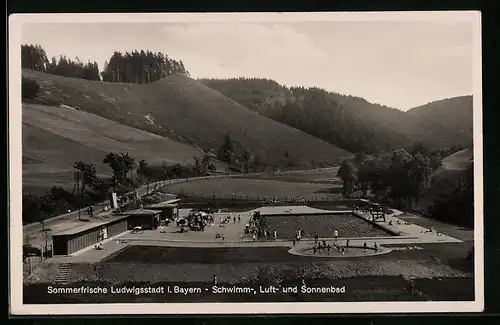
<point x="30" y="89"/>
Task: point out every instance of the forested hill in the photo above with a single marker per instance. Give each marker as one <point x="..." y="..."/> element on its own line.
<point x="348" y="122"/>
<point x="130" y="67"/>
<point x="454" y="113"/>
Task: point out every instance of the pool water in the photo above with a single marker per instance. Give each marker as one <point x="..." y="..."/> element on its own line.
<point x="347" y="225"/>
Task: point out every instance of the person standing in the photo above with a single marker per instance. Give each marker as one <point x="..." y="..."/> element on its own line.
<point x="335" y="234"/>
<point x="347" y="245"/>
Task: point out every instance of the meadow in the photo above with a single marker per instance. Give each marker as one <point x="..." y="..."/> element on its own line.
<point x="250" y="189"/>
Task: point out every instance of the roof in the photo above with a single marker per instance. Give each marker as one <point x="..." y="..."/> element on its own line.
<point x="172" y="201"/>
<point x="160" y="205"/>
<point x="88" y="226"/>
<point x="140" y="212"/>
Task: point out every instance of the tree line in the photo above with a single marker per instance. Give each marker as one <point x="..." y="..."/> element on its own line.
<point x="129" y="67"/>
<point x="140" y="67"/>
<point x="90" y="189"/>
<point x="35" y="58"/>
<point x="127" y="174"/>
<point x="403" y="177"/>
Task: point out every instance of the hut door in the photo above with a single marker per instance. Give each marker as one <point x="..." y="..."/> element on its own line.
<point x="104" y="231"/>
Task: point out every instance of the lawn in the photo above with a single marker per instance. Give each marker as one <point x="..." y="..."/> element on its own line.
<point x="347" y="225"/>
<point x="325" y="176"/>
<point x="250" y="189"/>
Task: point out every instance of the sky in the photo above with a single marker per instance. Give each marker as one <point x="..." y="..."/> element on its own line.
<point x="401" y="64"/>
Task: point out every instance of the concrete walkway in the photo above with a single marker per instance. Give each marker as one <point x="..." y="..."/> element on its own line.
<point x="411" y="234"/>
<point x="418" y="233"/>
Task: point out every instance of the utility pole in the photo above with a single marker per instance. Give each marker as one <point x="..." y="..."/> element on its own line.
<point x="79" y="195"/>
<point x="46" y="242"/>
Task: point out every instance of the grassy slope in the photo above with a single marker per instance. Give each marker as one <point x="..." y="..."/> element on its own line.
<point x="452" y="170"/>
<point x="182" y="108"/>
<point x="459" y="160"/>
<point x="55" y="137"/>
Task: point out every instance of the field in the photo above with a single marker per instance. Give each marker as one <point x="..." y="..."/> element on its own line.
<point x="347" y="225"/>
<point x="56" y="137"/>
<point x="185" y="110"/>
<point x="325" y="176"/>
<point x="251" y="188"/>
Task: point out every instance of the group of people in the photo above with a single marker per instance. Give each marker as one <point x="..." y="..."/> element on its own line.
<point x="399" y="222"/>
<point x="267" y="234"/>
<point x="322" y="244"/>
<point x="227" y="219"/>
<point x="221" y="236"/>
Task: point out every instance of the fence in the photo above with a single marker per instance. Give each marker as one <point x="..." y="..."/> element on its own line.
<point x="187" y="195"/>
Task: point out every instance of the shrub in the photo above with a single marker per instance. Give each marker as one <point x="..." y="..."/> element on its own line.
<point x="30" y="89"/>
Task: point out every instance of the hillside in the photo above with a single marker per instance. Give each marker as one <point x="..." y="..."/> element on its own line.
<point x="453" y="113"/>
<point x="175" y="108"/>
<point x="459" y="160"/>
<point x="444" y="179"/>
<point x="351" y="123"/>
<point x="54" y="137"/>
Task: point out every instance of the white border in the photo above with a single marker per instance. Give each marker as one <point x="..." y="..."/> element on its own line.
<point x="15" y="145"/>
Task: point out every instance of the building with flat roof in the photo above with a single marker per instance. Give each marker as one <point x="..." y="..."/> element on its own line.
<point x="168" y="211"/>
<point x="73" y="240"/>
<point x="144" y="218"/>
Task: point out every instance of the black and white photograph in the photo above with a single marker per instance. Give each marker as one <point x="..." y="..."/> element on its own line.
<point x="245" y="163"/>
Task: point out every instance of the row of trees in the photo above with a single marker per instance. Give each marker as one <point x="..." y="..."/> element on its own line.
<point x="130" y="67"/>
<point x="128" y="174"/>
<point x="35" y="58"/>
<point x="140" y="67"/>
<point x="90" y="189"/>
<point x="404" y="177"/>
